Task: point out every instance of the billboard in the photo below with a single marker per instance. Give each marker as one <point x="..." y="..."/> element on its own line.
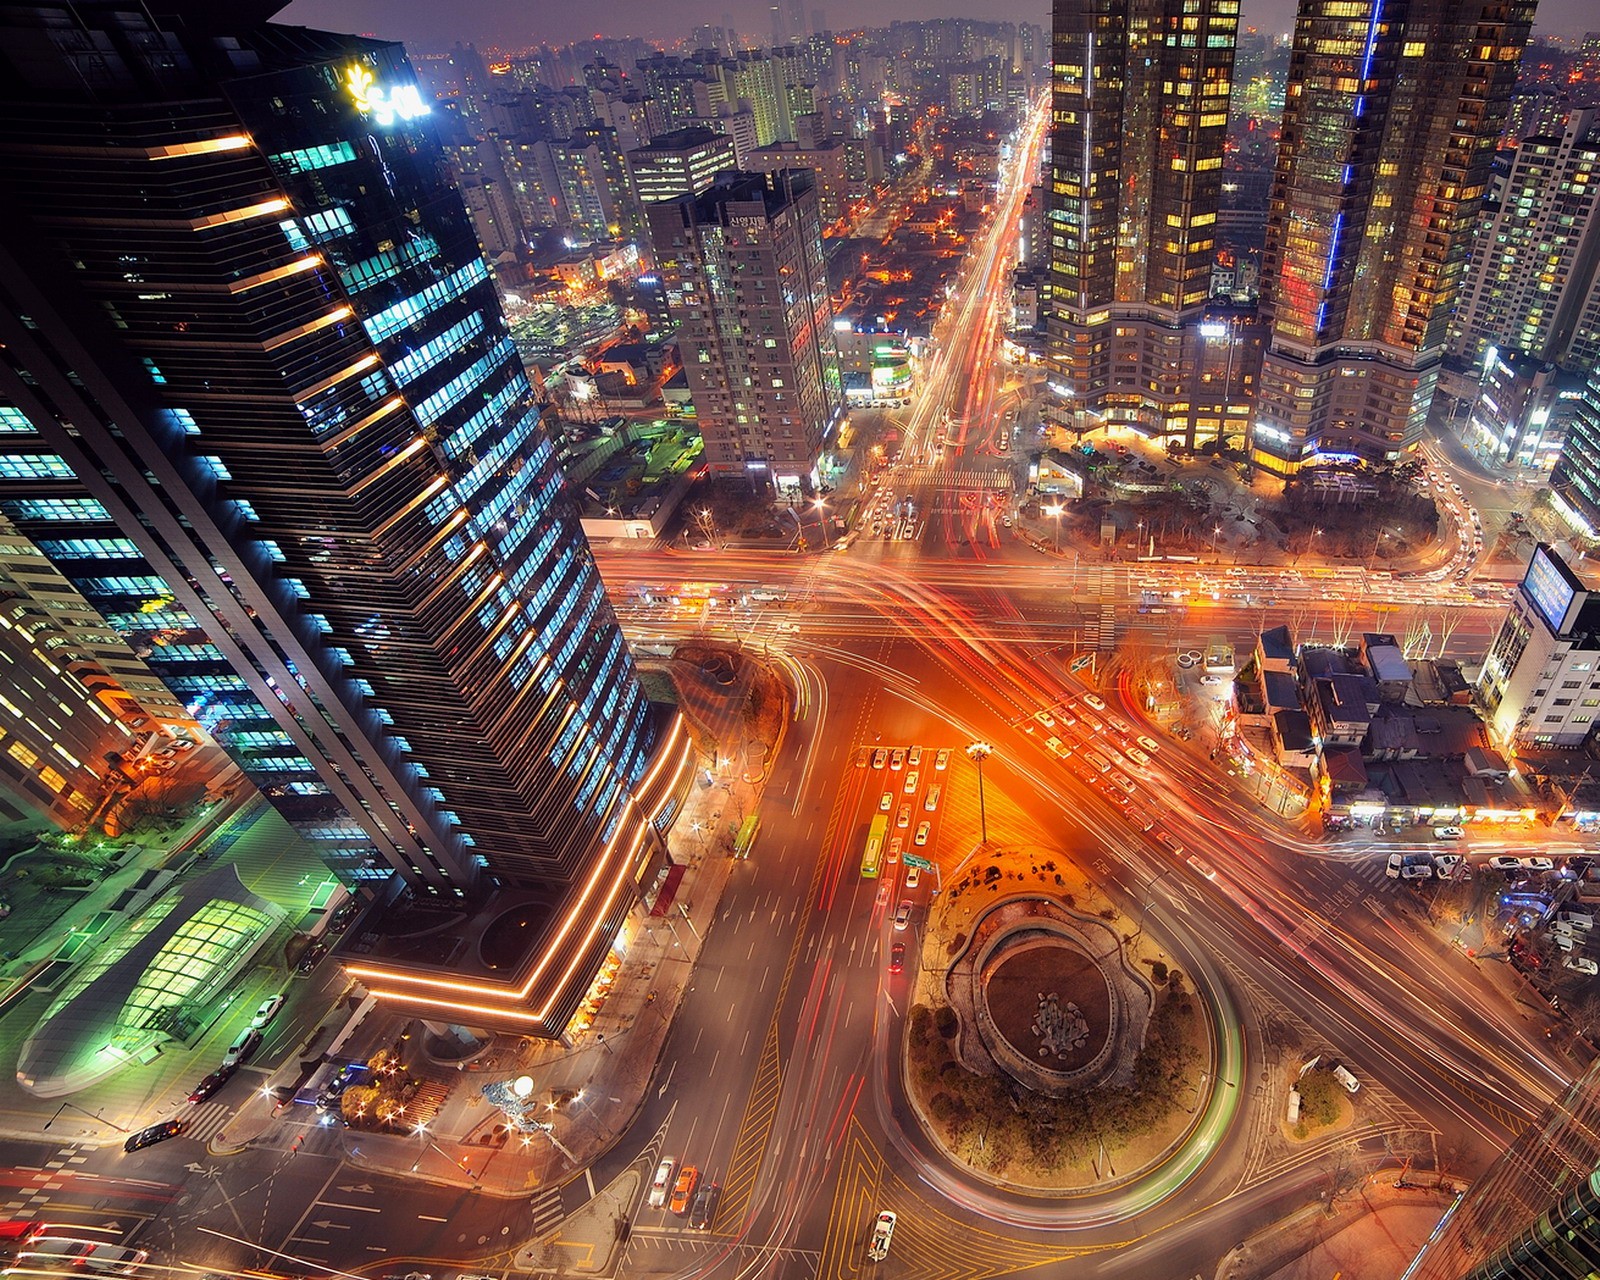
<point x="1552" y="590"/>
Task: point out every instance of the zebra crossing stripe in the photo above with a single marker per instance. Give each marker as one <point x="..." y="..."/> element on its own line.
<point x="208" y="1119"/>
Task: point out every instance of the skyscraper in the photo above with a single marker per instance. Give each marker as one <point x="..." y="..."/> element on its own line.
<point x="1140" y="102"/>
<point x="1535" y="1214"/>
<point x="1393" y="111"/>
<point x="743" y="268"/>
<point x="681" y="163"/>
<point x="264" y="413"/>
<point x="1533" y="284"/>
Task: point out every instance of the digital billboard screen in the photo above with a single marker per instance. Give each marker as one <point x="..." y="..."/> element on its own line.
<point x="1551" y="589"/>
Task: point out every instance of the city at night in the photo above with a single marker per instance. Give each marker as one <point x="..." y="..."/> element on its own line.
<point x="722" y="641"/>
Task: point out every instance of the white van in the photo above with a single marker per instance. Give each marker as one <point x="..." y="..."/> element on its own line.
<point x="1098" y="761"/>
<point x="1350" y="1083"/>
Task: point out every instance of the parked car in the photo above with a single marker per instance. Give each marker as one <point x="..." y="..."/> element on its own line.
<point x="1581" y="964"/>
<point x="1504" y="862"/>
<point x="244" y="1044"/>
<point x="902" y="917"/>
<point x="661" y="1185"/>
<point x="212" y="1083"/>
<point x="1537" y="864"/>
<point x="154" y="1134"/>
<point x="1448" y="833"/>
<point x="882" y="1236"/>
<point x="266" y="1011"/>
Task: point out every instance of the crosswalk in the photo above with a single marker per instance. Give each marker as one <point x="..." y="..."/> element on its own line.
<point x="942" y="477"/>
<point x="548" y="1211"/>
<point x="207" y="1120"/>
<point x="29" y="1199"/>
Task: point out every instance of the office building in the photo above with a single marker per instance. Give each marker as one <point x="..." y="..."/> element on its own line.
<point x="829" y="165"/>
<point x="681" y="163"/>
<point x="1394" y="107"/>
<point x="1535" y="269"/>
<point x="1535" y="1213"/>
<point x="265" y="416"/>
<point x="743" y="268"/>
<point x="1575" y="482"/>
<point x="1522" y="413"/>
<point x="1540" y="684"/>
<point x="1140" y="102"/>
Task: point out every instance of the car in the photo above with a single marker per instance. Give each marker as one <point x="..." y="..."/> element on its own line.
<point x="902" y="917"/>
<point x="1350" y="1083"/>
<point x="1447" y="833"/>
<point x="705" y="1207"/>
<point x="312" y="955"/>
<point x="1045" y="718"/>
<point x="911" y="782"/>
<point x="930" y="802"/>
<point x="882" y="1236"/>
<point x="18" y="1235"/>
<point x="903" y="818"/>
<point x="1168" y="843"/>
<point x="886" y="802"/>
<point x="897" y="957"/>
<point x="1094" y="701"/>
<point x="661" y="1184"/>
<point x="1416" y="871"/>
<point x="1091" y="724"/>
<point x="154" y="1134"/>
<point x="266" y="1011"/>
<point x="1504" y="862"/>
<point x="54" y="1255"/>
<point x="1066" y="717"/>
<point x="1575" y="916"/>
<point x="942" y="761"/>
<point x="1121" y="726"/>
<point x="913" y="877"/>
<point x="244" y="1044"/>
<point x="211" y="1084"/>
<point x="863" y="757"/>
<point x="683" y="1192"/>
<point x="1213" y="680"/>
<point x="1447" y="864"/>
<point x="1122" y="780"/>
<point x="913" y="758"/>
<point x="880" y="757"/>
<point x="1581" y="964"/>
<point x="1057" y="748"/>
<point x="1537" y="864"/>
<point x="896" y="843"/>
<point x="897" y="759"/>
<point x="1396" y="865"/>
<point x="921" y="838"/>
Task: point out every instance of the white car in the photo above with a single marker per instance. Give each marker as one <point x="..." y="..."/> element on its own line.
<point x="913" y="876"/>
<point x="911" y="782"/>
<point x="1447" y="833"/>
<point x="1094" y="701"/>
<point x="1149" y="744"/>
<point x="267" y="1011"/>
<point x="897" y="758"/>
<point x="1581" y="964"/>
<point x="921" y="838"/>
<point x="1504" y="862"/>
<point x="1056" y="747"/>
<point x="1446" y="864"/>
<point x="1537" y="864"/>
<point x="1045" y="718"/>
<point x="661" y="1184"/>
<point x="902" y="917"/>
<point x="1137" y="756"/>
<point x="886" y="802"/>
<point x="942" y="760"/>
<point x="882" y="1236"/>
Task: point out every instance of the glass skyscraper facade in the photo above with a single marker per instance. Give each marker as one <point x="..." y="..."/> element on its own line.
<point x="260" y="406"/>
<point x="1393" y="110"/>
<point x="1140" y="95"/>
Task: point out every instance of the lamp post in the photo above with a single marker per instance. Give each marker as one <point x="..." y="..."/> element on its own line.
<point x="93" y="1115"/>
<point x="978" y="752"/>
<point x="1215" y="530"/>
<point x="1054" y="511"/>
<point x="822" y="519"/>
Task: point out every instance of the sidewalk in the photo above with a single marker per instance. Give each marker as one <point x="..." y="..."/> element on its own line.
<point x="1371" y="1233"/>
<point x="594" y="1086"/>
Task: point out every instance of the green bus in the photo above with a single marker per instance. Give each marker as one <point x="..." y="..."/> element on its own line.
<point x="874" y="854"/>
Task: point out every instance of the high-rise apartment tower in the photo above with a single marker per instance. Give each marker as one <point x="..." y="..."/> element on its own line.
<point x="1393" y="110"/>
<point x="269" y="421"/>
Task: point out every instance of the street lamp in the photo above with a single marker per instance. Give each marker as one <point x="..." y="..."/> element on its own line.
<point x="1054" y="511"/>
<point x="822" y="519"/>
<point x="1215" y="530"/>
<point x="978" y="752"/>
<point x="93" y="1115"/>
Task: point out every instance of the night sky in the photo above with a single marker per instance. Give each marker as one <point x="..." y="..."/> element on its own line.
<point x="436" y="24"/>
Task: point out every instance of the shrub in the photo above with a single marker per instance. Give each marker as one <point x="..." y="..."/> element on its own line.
<point x="945" y="1020"/>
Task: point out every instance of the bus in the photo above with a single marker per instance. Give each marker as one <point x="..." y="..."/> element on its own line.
<point x="874" y="854"/>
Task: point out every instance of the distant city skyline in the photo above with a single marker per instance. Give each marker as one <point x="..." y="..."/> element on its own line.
<point x="428" y="25"/>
